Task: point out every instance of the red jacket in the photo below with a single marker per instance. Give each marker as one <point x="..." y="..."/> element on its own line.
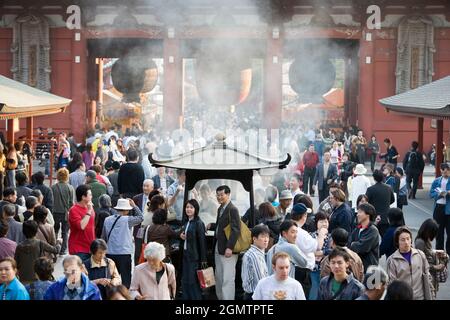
<point x="80" y="240"/>
<point x="310" y="159"/>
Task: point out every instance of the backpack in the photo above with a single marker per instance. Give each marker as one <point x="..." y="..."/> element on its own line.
<point x="413" y="162"/>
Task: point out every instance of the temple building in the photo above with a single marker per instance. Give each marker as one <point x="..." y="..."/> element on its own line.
<point x="170" y="58"/>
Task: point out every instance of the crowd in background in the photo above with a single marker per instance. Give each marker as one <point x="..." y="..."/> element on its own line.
<point x="125" y="232"/>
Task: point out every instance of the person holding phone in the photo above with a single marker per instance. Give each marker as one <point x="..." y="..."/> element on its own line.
<point x="82" y="223"/>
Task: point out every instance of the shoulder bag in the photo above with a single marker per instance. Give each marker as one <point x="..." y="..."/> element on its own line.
<point x="244" y="240"/>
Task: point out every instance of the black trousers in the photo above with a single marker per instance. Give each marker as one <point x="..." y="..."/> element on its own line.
<point x="443" y="221"/>
<point x="308" y="180"/>
<point x="123" y="264"/>
<point x="61" y="222"/>
<point x="373" y="159"/>
<point x="303" y="276"/>
<point x="414" y="178"/>
<point x="189" y="281"/>
<point x="324" y="193"/>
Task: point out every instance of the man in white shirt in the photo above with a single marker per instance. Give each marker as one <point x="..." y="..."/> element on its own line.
<point x="307" y="245"/>
<point x="279" y="286"/>
<point x="358" y="185"/>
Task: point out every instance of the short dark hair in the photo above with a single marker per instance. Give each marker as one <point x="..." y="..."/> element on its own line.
<point x="21" y="178"/>
<point x="445" y="166"/>
<point x="223" y="188"/>
<point x="193" y="203"/>
<point x="4" y="227"/>
<point x="132" y="154"/>
<point x="360" y="197"/>
<point x="286" y="225"/>
<point x="181" y="172"/>
<point x="428" y="230"/>
<point x="260" y="229"/>
<point x="368" y="209"/>
<point x="378" y="175"/>
<point x="414" y="144"/>
<point x="339" y="252"/>
<point x="399" y="290"/>
<point x="78" y="165"/>
<point x="9" y="192"/>
<point x="303" y="198"/>
<point x="98" y="244"/>
<point x="39" y="177"/>
<point x="320" y="216"/>
<point x="82" y="190"/>
<point x="43" y="267"/>
<point x="387" y="140"/>
<point x="40" y="214"/>
<point x="395" y="217"/>
<point x="340" y="237"/>
<point x="31" y="202"/>
<point x="155" y="202"/>
<point x="335" y="185"/>
<point x="30" y="228"/>
<point x="159" y="216"/>
<point x="398" y="232"/>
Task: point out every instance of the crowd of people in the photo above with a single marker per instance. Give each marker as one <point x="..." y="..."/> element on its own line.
<point x="124" y="230"/>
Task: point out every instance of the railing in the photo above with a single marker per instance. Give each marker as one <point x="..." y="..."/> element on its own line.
<point x="52" y="144"/>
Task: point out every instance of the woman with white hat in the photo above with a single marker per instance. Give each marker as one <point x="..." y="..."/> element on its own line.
<point x="359" y="184"/>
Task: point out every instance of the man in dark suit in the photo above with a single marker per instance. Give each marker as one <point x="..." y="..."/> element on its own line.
<point x="326" y="173"/>
<point x="413" y="164"/>
<point x="162" y="180"/>
<point x="381" y="196"/>
<point x="141" y="200"/>
<point x="225" y="260"/>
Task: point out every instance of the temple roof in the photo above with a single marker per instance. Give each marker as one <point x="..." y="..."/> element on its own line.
<point x="430" y="100"/>
<point x="218" y="156"/>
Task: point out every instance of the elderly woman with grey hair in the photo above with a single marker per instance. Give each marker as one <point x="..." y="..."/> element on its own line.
<point x="105" y="211"/>
<point x="153" y="279"/>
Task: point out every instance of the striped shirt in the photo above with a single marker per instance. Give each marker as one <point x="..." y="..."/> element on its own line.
<point x="254" y="268"/>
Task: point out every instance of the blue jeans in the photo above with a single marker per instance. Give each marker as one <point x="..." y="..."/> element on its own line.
<point x="315" y="281"/>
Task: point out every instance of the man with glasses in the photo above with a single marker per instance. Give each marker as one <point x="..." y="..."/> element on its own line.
<point x="225" y="260"/>
<point x="75" y="285"/>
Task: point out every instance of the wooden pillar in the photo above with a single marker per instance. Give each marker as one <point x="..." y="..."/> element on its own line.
<point x="173" y="83"/>
<point x="10" y="131"/>
<point x="77" y="108"/>
<point x="30" y="124"/>
<point x="92" y="110"/>
<point x="366" y="83"/>
<point x="420" y="141"/>
<point x="439" y="146"/>
<point x="273" y="80"/>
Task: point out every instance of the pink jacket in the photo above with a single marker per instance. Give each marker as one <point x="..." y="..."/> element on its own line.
<point x="143" y="282"/>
